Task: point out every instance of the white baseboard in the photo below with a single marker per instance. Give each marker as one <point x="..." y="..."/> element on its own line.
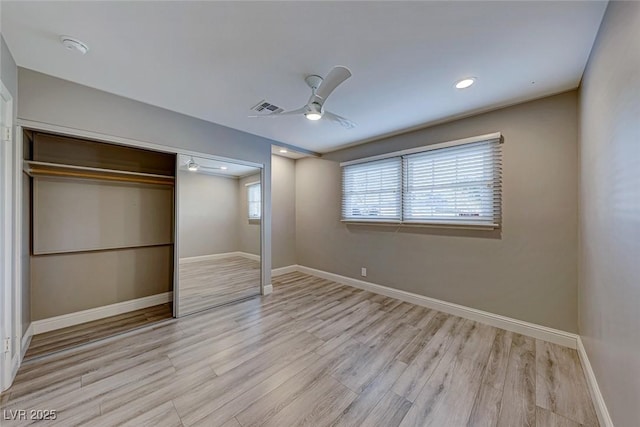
<point x="284" y="270"/>
<point x="208" y="257"/>
<point x="267" y="289"/>
<point x="16" y="361"/>
<point x="248" y="255"/>
<point x="219" y="256"/>
<point x="598" y="401"/>
<point x="26" y="340"/>
<point x="71" y="319"/>
<point x="555" y="336"/>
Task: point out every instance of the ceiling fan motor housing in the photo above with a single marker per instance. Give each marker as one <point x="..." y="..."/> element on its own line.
<point x="313" y="81"/>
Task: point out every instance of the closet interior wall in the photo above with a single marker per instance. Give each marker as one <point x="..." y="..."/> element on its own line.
<point x="101" y="223"/>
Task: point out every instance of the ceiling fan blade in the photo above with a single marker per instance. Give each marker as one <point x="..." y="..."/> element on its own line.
<point x="335" y="77"/>
<point x="344" y="122"/>
<point x="301" y="110"/>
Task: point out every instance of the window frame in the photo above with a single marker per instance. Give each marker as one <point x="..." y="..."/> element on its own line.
<point x="404" y="155"/>
<point x="249" y="186"/>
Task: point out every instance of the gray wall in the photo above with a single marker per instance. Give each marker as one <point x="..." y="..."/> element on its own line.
<point x="48" y="99"/>
<point x="8" y="70"/>
<point x="528" y="271"/>
<point x="283" y="200"/>
<point x="248" y="230"/>
<point x="609" y="289"/>
<point x="208" y="214"/>
<point x="67" y="283"/>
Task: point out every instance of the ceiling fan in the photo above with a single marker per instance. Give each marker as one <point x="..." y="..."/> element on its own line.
<point x="321" y="88"/>
<point x="193" y="166"/>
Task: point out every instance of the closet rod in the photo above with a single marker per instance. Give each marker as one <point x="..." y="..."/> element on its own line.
<point x="88" y="175"/>
<point x="29" y="163"/>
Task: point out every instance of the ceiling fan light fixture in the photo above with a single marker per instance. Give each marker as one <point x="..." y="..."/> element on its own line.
<point x="465" y="83"/>
<point x="313" y="115"/>
<point x="192" y="166"/>
<point x="315" y="111"/>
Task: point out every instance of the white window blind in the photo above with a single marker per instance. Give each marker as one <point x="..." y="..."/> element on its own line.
<point x="253" y="200"/>
<point x="372" y="191"/>
<point x="455" y="185"/>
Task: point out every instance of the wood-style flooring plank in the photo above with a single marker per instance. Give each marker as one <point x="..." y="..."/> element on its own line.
<point x="389" y="412"/>
<point x="486" y="408"/>
<point x="361" y="407"/>
<point x="561" y="385"/>
<point x="448" y="396"/>
<point x="318" y="405"/>
<point x="209" y="283"/>
<point x="546" y="418"/>
<point x="518" y="405"/>
<point x="73" y="336"/>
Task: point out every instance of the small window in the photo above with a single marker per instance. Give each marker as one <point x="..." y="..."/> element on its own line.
<point x="254" y="200"/>
<point x="456" y="184"/>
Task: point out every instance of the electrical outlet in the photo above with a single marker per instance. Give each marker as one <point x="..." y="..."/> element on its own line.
<point x="363" y="271"/>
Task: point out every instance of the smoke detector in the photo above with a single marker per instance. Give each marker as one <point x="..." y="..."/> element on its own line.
<point x="74" y="44"/>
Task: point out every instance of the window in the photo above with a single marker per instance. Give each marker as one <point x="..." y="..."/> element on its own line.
<point x="372" y="190"/>
<point x="456" y="183"/>
<point x="253" y="200"/>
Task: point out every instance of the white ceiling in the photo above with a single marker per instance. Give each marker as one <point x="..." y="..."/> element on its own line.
<point x="215" y="60"/>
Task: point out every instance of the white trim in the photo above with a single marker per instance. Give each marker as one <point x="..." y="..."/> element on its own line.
<point x="248" y="255"/>
<point x="555" y="336"/>
<point x="219" y="256"/>
<point x="10" y="316"/>
<point x="430" y="224"/>
<point x="26" y="340"/>
<point x="176" y="241"/>
<point x="267" y="289"/>
<point x="71" y="319"/>
<point x="284" y="270"/>
<point x="598" y="401"/>
<point x="436" y="146"/>
<point x="24" y="346"/>
<point x="210" y="257"/>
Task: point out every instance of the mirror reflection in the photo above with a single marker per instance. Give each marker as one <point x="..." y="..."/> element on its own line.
<point x="219" y="220"/>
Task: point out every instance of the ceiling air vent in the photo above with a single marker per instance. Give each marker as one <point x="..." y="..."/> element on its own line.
<point x="266" y="107"/>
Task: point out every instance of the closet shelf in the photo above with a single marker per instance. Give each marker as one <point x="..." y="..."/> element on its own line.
<point x="34" y="168"/>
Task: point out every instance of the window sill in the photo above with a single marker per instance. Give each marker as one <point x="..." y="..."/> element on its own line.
<point x="255" y="220"/>
<point x="459" y="226"/>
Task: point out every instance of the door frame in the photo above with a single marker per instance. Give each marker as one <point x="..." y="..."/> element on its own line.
<point x="265" y="285"/>
<point x="10" y="291"/>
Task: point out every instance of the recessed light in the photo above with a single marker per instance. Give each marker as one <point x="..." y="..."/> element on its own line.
<point x="224" y="168"/>
<point x="283" y="151"/>
<point x="74" y="44"/>
<point x="465" y="83"/>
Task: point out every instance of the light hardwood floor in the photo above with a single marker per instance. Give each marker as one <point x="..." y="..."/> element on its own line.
<point x="209" y="283"/>
<point x="73" y="336"/>
<point x="313" y="353"/>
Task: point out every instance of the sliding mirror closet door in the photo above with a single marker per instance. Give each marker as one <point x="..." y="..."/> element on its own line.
<point x="219" y="231"/>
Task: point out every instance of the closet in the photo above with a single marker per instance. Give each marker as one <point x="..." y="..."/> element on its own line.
<point x="101" y="238"/>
